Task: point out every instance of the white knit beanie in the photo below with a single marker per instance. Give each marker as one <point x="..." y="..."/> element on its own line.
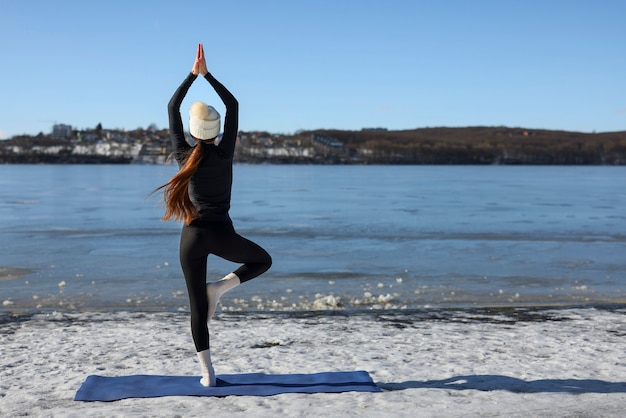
<point x="204" y="121"/>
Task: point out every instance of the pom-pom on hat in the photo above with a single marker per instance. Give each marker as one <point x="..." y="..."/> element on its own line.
<point x="204" y="121"/>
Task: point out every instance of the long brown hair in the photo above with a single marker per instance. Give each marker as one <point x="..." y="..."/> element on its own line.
<point x="178" y="205"/>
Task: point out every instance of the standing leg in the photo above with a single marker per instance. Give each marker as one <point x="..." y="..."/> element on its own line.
<point x="193" y="260"/>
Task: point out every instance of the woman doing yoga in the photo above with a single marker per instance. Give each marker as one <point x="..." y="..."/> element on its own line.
<point x="199" y="195"/>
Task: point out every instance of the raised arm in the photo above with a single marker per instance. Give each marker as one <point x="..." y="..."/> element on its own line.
<point x="177" y="134"/>
<point x="231" y="120"/>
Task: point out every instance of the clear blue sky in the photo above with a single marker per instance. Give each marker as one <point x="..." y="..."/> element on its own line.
<point x="345" y="64"/>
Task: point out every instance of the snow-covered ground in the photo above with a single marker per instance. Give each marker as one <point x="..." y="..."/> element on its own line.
<point x="515" y="362"/>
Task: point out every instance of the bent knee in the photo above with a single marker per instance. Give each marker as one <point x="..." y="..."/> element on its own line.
<point x="268" y="261"/>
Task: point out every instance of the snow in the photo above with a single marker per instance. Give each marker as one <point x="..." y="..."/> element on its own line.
<point x="508" y="362"/>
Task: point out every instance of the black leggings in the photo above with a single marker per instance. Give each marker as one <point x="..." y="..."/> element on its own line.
<point x="220" y="239"/>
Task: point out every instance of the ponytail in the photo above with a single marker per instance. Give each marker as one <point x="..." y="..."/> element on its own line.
<point x="178" y="205"/>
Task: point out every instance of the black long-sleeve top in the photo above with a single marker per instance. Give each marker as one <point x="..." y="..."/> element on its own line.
<point x="210" y="187"/>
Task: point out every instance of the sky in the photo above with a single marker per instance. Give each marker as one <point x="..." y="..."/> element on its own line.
<point x="324" y="64"/>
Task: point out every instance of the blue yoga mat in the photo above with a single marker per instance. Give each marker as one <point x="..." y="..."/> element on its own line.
<point x="102" y="388"/>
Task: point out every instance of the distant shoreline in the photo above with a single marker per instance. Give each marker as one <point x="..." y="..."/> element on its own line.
<point x="423" y="146"/>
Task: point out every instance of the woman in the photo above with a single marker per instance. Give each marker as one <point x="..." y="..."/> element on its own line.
<point x="199" y="195"/>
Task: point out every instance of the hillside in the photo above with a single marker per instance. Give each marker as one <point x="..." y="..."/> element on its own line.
<point x="470" y="145"/>
<point x="473" y="145"/>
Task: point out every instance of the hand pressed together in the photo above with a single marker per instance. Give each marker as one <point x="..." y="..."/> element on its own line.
<point x="199" y="65"/>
